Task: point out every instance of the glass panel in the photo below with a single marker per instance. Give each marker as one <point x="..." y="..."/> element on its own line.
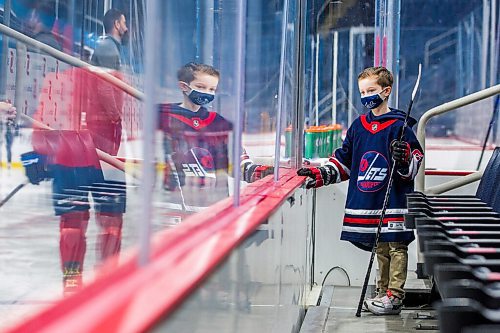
<point x="262" y="81"/>
<point x="454" y="45"/>
<point x="74" y="204"/>
<point x="340" y="46"/>
<point x="285" y="100"/>
<point x="262" y="286"/>
<point x="194" y="141"/>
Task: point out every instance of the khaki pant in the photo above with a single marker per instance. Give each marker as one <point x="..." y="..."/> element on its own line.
<point x="392" y="260"/>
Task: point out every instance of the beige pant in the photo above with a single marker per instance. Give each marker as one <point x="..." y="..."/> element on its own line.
<point x="392" y="260"/>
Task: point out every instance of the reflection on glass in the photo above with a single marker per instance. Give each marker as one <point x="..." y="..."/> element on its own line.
<point x="76" y="113"/>
<point x="195" y="144"/>
<point x="40" y="23"/>
<point x="79" y="120"/>
<point x="259" y="287"/>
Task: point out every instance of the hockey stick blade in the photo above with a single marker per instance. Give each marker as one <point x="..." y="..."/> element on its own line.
<point x="12" y="193"/>
<point x="414" y="93"/>
<point x="386" y="201"/>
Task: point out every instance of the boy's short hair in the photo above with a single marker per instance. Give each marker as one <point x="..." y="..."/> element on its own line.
<point x="187" y="72"/>
<point x="110" y="18"/>
<point x="383" y="75"/>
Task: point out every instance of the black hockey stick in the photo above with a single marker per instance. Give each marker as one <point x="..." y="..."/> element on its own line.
<point x="386" y="200"/>
<point x="14" y="191"/>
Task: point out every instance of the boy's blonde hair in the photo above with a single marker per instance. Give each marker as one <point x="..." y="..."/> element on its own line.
<point x="383" y="75"/>
<point x="187" y="72"/>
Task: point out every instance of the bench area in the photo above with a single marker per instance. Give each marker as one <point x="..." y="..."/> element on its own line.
<point x="459" y="237"/>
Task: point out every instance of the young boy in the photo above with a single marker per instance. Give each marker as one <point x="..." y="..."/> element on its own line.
<point x="196" y="144"/>
<point x="365" y="158"/>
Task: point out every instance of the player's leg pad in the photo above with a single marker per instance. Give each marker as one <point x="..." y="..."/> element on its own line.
<point x="110" y="236"/>
<point x="72" y="242"/>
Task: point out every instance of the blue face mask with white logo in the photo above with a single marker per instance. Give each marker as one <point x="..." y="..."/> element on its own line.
<point x="372" y="101"/>
<point x="200" y="98"/>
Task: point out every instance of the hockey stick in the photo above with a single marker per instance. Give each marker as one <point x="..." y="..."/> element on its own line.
<point x="386" y="199"/>
<point x="170" y="161"/>
<point x="11" y="194"/>
<point x="171" y="164"/>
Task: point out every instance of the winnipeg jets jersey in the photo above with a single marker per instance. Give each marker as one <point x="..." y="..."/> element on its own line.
<point x="365" y="160"/>
<point x="196" y="156"/>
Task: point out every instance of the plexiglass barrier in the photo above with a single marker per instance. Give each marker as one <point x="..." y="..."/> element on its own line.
<point x="72" y="172"/>
<point x="69" y="181"/>
<point x="261" y="286"/>
<point x="232" y="81"/>
<point x="456" y="44"/>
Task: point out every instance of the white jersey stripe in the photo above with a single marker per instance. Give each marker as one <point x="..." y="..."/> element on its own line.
<point x="375" y="212"/>
<point x="346" y="170"/>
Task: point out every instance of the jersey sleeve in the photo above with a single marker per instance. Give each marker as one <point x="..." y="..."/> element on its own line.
<point x="409" y="172"/>
<point x="341" y="160"/>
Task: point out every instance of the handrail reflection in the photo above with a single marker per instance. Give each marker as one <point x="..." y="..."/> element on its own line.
<point x="73" y="61"/>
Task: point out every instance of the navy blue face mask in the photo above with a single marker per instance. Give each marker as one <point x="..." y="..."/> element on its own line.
<point x="372" y="101"/>
<point x="200" y="98"/>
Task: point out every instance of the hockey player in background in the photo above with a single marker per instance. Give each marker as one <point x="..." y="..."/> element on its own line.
<point x="7" y="120"/>
<point x="196" y="144"/>
<point x="364" y="159"/>
<point x="67" y="155"/>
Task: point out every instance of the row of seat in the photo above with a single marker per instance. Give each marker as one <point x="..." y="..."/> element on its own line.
<point x="459" y="236"/>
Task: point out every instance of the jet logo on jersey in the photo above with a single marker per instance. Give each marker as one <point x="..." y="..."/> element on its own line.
<point x="195" y="170"/>
<point x="373" y="171"/>
<point x="200" y="163"/>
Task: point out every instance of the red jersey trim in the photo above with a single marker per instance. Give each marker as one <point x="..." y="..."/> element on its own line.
<point x="356" y="220"/>
<point x="340" y="167"/>
<point x="375" y="126"/>
<point x="195" y="122"/>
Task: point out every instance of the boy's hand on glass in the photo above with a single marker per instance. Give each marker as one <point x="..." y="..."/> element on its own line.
<point x="319" y="176"/>
<point x="261" y="171"/>
<point x="253" y="172"/>
<point x="400" y="151"/>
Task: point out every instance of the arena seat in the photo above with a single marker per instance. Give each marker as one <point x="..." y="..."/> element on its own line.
<point x="459" y="237"/>
<point x="485" y="189"/>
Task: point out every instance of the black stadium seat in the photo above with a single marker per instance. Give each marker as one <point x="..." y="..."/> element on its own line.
<point x="459" y="236"/>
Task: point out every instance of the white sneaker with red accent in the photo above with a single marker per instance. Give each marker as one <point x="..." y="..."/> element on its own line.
<point x="377" y="297"/>
<point x="387" y="305"/>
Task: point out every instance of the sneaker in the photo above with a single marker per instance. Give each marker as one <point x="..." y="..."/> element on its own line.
<point x="377" y="298"/>
<point x="387" y="305"/>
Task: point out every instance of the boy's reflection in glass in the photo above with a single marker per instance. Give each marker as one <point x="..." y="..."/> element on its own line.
<point x="195" y="143"/>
